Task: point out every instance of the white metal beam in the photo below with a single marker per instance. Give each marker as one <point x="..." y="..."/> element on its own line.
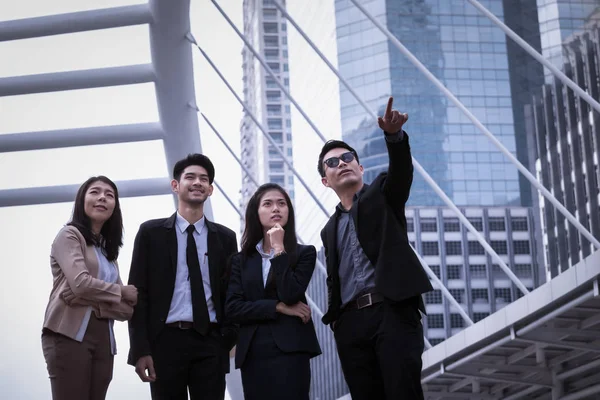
<point x="80" y="137"/>
<point x="175" y="92"/>
<point x="75" y="22"/>
<point x="66" y="193"/>
<point x="74" y="80"/>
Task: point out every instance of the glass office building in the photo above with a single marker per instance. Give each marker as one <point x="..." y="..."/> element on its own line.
<point x="469" y="55"/>
<point x="561" y="19"/>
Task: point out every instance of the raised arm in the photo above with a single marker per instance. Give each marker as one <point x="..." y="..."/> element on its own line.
<point x="292" y="282"/>
<point x="67" y="251"/>
<point x="240" y="310"/>
<point x="396" y="185"/>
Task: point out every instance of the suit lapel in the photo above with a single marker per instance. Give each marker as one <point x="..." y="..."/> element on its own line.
<point x="214" y="248"/>
<point x="171" y="240"/>
<point x="254" y="274"/>
<point x="332" y="257"/>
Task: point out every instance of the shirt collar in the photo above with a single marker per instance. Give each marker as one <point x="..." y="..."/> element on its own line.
<point x="182" y="223"/>
<point x="340" y="207"/>
<point x="259" y="248"/>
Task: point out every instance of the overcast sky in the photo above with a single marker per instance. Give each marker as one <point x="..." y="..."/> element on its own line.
<point x="26" y="233"/>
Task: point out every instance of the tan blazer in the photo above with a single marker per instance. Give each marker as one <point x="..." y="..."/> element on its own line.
<point x="75" y="287"/>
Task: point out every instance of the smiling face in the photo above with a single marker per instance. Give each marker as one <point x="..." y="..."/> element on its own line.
<point x="273" y="209"/>
<point x="193" y="187"/>
<point x="345" y="174"/>
<point x="99" y="202"/>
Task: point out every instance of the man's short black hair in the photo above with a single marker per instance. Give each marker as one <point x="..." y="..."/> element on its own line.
<point x="194" y="159"/>
<point x="333" y="144"/>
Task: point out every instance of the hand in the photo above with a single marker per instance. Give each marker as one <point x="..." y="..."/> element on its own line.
<point x="129" y="293"/>
<point x="68" y="296"/>
<point x="299" y="310"/>
<point x="276" y="235"/>
<point x="392" y="121"/>
<point x="144" y="364"/>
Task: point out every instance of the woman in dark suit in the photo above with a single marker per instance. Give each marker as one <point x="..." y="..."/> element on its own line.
<point x="266" y="298"/>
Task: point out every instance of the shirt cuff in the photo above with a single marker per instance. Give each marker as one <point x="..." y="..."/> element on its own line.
<point x="394" y="137"/>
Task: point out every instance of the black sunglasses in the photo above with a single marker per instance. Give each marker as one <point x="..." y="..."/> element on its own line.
<point x="333" y="162"/>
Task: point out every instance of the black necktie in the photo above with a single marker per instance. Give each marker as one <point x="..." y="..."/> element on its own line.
<point x="200" y="310"/>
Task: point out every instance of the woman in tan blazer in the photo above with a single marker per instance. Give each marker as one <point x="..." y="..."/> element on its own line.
<point x="87" y="295"/>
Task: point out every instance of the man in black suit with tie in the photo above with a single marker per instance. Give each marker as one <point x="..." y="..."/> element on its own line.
<point x="374" y="279"/>
<point x="179" y="337"/>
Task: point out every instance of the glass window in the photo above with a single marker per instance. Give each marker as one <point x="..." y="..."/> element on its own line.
<point x="456" y="321"/>
<point x="271" y="54"/>
<point x="274" y="123"/>
<point x="453" y="248"/>
<point x="479" y="295"/>
<point x="270" y="27"/>
<point x="523" y="270"/>
<point x="410" y="225"/>
<point x="278" y="179"/>
<point x="436" y="270"/>
<point x="277" y="136"/>
<point x="519" y="224"/>
<point x="273" y="110"/>
<point x="451" y="225"/>
<point x="475" y="248"/>
<point x="497" y="224"/>
<point x="478" y="270"/>
<point x="428" y="225"/>
<point x="477" y="223"/>
<point x="270" y="14"/>
<point x="276" y="166"/>
<point x="435" y="321"/>
<point x="502" y="295"/>
<point x="521" y="246"/>
<point x="499" y="246"/>
<point x="454" y="271"/>
<point x="458" y="294"/>
<point x="271" y="41"/>
<point x="435" y="341"/>
<point x="434" y="297"/>
<point x="430" y="249"/>
<point x="478" y="316"/>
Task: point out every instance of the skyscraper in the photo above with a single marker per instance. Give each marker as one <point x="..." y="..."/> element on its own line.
<point x="560" y="19"/>
<point x="266" y="30"/>
<point x="568" y="139"/>
<point x="468" y="54"/>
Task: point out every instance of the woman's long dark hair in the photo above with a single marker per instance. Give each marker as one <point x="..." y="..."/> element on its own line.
<point x="111" y="234"/>
<point x="253" y="231"/>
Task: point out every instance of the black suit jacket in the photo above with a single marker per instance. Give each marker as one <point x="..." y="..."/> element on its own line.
<point x="378" y="215"/>
<point x="153" y="270"/>
<point x="249" y="303"/>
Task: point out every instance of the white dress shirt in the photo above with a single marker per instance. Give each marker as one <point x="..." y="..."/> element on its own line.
<point x="107" y="271"/>
<point x="266" y="261"/>
<point x="181" y="303"/>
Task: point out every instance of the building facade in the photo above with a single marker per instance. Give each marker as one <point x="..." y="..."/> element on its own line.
<point x="470" y="274"/>
<point x="266" y="30"/>
<point x="568" y="140"/>
<point x="467" y="53"/>
<point x="559" y="20"/>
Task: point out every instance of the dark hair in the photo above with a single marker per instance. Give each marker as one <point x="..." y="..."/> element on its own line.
<point x="253" y="231"/>
<point x="111" y="234"/>
<point x="333" y="144"/>
<point x="194" y="159"/>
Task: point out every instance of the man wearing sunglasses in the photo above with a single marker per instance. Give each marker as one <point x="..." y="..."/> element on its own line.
<point x="375" y="280"/>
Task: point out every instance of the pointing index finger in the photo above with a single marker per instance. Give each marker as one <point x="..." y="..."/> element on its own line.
<point x="388" y="110"/>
